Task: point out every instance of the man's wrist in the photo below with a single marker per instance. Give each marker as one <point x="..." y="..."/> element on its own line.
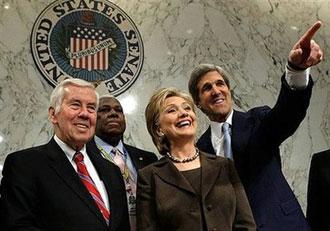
<point x="296" y="79"/>
<point x="293" y="67"/>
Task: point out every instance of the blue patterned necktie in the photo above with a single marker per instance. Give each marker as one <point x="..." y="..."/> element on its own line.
<point x="227" y="140"/>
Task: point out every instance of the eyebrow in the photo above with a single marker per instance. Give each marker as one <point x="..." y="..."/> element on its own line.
<point x="91" y="104"/>
<point x="213" y="82"/>
<point x="172" y="104"/>
<point x="108" y="106"/>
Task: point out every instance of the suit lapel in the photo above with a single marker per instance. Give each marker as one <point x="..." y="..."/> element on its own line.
<point x="136" y="157"/>
<point x="241" y="131"/>
<point x="205" y="143"/>
<point x="210" y="172"/>
<point x="171" y="175"/>
<point x="63" y="168"/>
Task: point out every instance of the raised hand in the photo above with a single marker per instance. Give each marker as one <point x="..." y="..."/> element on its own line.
<point x="306" y="52"/>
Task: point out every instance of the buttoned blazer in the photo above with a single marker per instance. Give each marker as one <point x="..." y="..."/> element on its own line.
<point x="167" y="201"/>
<point x="318" y="194"/>
<point x="256" y="137"/>
<point x="41" y="190"/>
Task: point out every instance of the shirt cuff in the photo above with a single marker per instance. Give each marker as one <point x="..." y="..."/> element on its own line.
<point x="296" y="79"/>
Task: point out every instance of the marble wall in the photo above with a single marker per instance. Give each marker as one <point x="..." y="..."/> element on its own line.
<point x="251" y="39"/>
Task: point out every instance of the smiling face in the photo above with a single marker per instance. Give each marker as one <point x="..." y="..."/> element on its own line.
<point x="75" y="122"/>
<point x="177" y="120"/>
<point x="110" y="118"/>
<point x="214" y="96"/>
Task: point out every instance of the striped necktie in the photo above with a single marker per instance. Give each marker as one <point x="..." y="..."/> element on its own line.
<point x="118" y="159"/>
<point x="227" y="140"/>
<point x="90" y="185"/>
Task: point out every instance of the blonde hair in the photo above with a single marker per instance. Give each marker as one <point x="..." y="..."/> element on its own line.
<point x="153" y="110"/>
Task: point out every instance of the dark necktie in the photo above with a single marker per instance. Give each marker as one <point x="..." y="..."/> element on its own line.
<point x="90" y="185"/>
<point x="227" y="140"/>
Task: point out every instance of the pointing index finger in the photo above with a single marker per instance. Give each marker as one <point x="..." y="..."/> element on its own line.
<point x="307" y="37"/>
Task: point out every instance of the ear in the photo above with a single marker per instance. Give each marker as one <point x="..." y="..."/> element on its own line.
<point x="51" y="115"/>
<point x="196" y="102"/>
<point x="160" y="132"/>
<point x="198" y="105"/>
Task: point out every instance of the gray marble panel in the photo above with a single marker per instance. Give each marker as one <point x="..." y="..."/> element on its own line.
<point x="251" y="39"/>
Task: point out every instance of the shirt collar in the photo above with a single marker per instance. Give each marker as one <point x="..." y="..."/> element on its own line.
<point x="107" y="147"/>
<point x="216" y="126"/>
<point x="69" y="152"/>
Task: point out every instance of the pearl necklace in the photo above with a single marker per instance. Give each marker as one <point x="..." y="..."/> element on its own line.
<point x="186" y="160"/>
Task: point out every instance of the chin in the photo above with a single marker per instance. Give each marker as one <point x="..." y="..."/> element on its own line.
<point x="222" y="111"/>
<point x="113" y="133"/>
<point x="188" y="134"/>
<point x="84" y="139"/>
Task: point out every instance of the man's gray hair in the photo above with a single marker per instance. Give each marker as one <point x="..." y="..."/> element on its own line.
<point x="58" y="93"/>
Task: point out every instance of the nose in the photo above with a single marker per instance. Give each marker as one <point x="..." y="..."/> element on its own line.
<point x="215" y="90"/>
<point x="183" y="113"/>
<point x="113" y="113"/>
<point x="84" y="113"/>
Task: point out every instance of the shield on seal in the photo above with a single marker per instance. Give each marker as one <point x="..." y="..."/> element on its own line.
<point x="89" y="45"/>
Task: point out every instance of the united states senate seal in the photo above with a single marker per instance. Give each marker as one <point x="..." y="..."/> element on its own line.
<point x="93" y="40"/>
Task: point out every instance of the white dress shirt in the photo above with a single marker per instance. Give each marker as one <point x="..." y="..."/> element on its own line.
<point x="69" y="152"/>
<point x="217" y="135"/>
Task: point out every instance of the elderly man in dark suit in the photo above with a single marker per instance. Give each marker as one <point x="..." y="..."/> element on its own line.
<point x="318" y="196"/>
<point x="63" y="185"/>
<point x="255" y="136"/>
<point x="110" y="128"/>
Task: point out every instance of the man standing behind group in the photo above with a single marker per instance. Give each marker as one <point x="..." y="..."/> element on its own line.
<point x="255" y="136"/>
<point x="110" y="128"/>
<point x="62" y="185"/>
<point x="318" y="196"/>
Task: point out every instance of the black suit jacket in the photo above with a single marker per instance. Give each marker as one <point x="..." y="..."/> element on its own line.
<point x="256" y="137"/>
<point x="318" y="195"/>
<point x="139" y="157"/>
<point x="40" y="190"/>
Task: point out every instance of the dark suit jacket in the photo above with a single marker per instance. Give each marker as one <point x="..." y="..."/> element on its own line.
<point x="318" y="195"/>
<point x="41" y="191"/>
<point x="256" y="137"/>
<point x="167" y="201"/>
<point x="139" y="157"/>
